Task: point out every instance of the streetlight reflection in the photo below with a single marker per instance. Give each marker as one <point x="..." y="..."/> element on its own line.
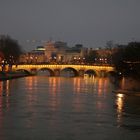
<point x="120" y="105"/>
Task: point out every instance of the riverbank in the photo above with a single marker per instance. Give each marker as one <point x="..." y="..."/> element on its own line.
<point x="126" y="85"/>
<point x="130" y="84"/>
<point x="11" y="75"/>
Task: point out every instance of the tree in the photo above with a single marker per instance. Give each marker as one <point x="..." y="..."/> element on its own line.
<point x="127" y="59"/>
<point x="109" y="44"/>
<point x="10" y="48"/>
<point x="132" y="52"/>
<point x="91" y="57"/>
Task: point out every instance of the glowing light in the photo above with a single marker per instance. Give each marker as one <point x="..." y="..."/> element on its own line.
<point x="60" y="67"/>
<point x="120" y="95"/>
<point x="77" y="85"/>
<point x="120" y="104"/>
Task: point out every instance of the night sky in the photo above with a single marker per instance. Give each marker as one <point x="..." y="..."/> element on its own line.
<point x="90" y="22"/>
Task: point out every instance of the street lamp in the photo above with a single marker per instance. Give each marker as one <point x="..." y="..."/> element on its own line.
<point x="4" y="62"/>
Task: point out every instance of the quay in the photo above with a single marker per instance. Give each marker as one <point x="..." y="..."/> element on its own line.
<point x="11" y="75"/>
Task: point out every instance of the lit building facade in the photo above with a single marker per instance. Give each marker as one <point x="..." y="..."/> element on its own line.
<point x="59" y="52"/>
<point x="35" y="56"/>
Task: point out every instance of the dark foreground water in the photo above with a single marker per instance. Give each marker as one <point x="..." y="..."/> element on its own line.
<point x="42" y="108"/>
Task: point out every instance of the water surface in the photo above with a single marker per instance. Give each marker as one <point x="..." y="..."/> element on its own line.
<point x="56" y="108"/>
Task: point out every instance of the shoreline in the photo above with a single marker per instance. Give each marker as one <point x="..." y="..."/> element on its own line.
<point x="9" y="76"/>
<point x="126" y="85"/>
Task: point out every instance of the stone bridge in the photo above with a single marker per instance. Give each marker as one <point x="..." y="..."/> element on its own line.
<point x="55" y="70"/>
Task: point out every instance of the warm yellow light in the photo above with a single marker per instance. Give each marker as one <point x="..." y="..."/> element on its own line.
<point x="120" y="95"/>
<point x="120" y="104"/>
<point x="60" y="67"/>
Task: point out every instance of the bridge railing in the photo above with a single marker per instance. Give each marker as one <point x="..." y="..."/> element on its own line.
<point x="48" y="63"/>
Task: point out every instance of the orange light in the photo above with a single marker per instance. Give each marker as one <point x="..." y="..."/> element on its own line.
<point x="120" y="104"/>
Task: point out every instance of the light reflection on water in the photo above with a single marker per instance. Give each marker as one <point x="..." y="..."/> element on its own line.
<point x="54" y="108"/>
<point x="120" y="105"/>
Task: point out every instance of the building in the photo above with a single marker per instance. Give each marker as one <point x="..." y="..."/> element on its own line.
<point x="35" y="56"/>
<point x="1" y="56"/>
<point x="55" y="53"/>
<point x="59" y="52"/>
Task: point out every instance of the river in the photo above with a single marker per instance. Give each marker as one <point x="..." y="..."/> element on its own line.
<point x="61" y="108"/>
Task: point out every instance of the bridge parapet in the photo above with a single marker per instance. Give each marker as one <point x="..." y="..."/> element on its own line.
<point x="53" y="68"/>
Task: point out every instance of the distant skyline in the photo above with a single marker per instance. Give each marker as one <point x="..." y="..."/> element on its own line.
<point x="88" y="22"/>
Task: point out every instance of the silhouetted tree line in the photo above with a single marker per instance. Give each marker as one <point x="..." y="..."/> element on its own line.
<point x="10" y="48"/>
<point x="91" y="57"/>
<point x="126" y="59"/>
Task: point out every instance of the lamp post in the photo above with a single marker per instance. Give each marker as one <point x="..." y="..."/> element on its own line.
<point x="3" y="65"/>
<point x="10" y="63"/>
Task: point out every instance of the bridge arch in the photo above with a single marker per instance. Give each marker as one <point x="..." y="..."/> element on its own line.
<point x="91" y="72"/>
<point x="70" y="71"/>
<point x="51" y="72"/>
<point x="23" y="71"/>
